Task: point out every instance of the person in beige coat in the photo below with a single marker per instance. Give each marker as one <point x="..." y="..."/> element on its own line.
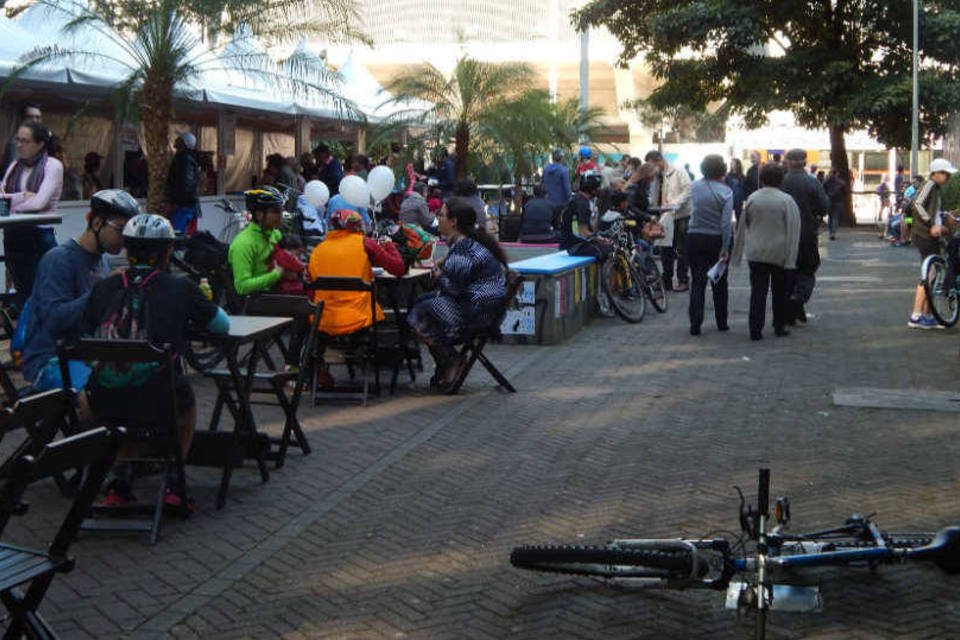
<point x="768" y="233"/>
<point x="671" y="189"/>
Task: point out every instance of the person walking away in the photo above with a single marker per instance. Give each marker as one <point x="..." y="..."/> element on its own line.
<point x="883" y="212"/>
<point x="29" y="112"/>
<point x="708" y="240"/>
<point x="836" y="189"/>
<point x="65" y="276"/>
<point x="183" y="184"/>
<point x="736" y="181"/>
<point x="752" y="181"/>
<point x="925" y="233"/>
<point x="768" y="234"/>
<point x="673" y="190"/>
<point x="556" y="180"/>
<point x="539" y="218"/>
<point x="33" y="184"/>
<point x="813" y="203"/>
<point x="329" y="170"/>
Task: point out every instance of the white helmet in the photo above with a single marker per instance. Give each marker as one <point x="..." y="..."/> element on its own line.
<point x="147" y="227"/>
<point x="942" y="165"/>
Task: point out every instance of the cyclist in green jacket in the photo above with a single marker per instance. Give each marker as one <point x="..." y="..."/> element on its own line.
<point x="251" y="252"/>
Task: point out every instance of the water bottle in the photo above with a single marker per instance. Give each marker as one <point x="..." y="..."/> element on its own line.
<point x="205" y="289"/>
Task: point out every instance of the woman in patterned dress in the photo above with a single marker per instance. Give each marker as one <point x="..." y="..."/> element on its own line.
<point x="470" y="294"/>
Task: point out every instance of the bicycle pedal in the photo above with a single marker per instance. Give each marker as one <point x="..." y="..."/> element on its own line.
<point x="782" y="597"/>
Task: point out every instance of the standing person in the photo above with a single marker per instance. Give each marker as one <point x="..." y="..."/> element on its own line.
<point x="813" y="203"/>
<point x="708" y="240"/>
<point x="72" y="182"/>
<point x="586" y="162"/>
<point x="769" y="235"/>
<point x="447" y="173"/>
<point x="183" y="185"/>
<point x="925" y="233"/>
<point x="884" y="212"/>
<point x="29" y="112"/>
<point x="836" y="189"/>
<point x="673" y="190"/>
<point x="33" y="184"/>
<point x="736" y="180"/>
<point x="65" y="276"/>
<point x="91" y="174"/>
<point x="308" y="167"/>
<point x="752" y="181"/>
<point x="359" y="165"/>
<point x="329" y="170"/>
<point x="556" y="180"/>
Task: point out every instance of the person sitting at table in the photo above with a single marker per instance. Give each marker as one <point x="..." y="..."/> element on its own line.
<point x="472" y="287"/>
<point x="537" y="224"/>
<point x="33" y="184"/>
<point x="146" y="302"/>
<point x="347" y="253"/>
<point x="65" y="276"/>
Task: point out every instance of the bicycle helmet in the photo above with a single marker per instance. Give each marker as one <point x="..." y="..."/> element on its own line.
<point x="585" y="152"/>
<point x="148" y="228"/>
<point x="264" y="197"/>
<point x="113" y="203"/>
<point x="590" y="181"/>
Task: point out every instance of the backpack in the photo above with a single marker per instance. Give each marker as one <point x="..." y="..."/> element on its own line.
<point x="125" y="319"/>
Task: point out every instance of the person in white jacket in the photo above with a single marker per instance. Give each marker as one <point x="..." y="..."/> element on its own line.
<point x="672" y="190"/>
<point x="768" y="233"/>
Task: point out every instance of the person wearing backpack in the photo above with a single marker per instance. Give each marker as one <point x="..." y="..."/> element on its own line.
<point x="145" y="302"/>
<point x="65" y="277"/>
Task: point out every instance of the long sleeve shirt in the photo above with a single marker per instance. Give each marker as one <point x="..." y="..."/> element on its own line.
<point x="712" y="203"/>
<point x="927" y="203"/>
<point x="47" y="196"/>
<point x="769" y="229"/>
<point x="556" y="180"/>
<point x="251" y="260"/>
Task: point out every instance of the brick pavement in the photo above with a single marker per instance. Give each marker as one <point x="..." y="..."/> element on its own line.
<point x="400" y="523"/>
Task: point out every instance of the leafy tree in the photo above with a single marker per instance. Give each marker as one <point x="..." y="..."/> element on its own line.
<point x="163" y="54"/>
<point x="838" y="64"/>
<point x="458" y="102"/>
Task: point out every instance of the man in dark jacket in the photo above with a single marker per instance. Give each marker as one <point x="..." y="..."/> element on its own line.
<point x="813" y="203"/>
<point x="539" y="216"/>
<point x="329" y="169"/>
<point x="183" y="183"/>
<point x="752" y="181"/>
<point x="556" y="180"/>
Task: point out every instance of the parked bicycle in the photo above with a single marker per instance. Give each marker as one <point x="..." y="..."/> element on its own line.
<point x="630" y="270"/>
<point x="941" y="283"/>
<point x="769" y="569"/>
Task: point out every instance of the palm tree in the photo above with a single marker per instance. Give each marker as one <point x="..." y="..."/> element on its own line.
<point x="459" y="101"/>
<point x="161" y="51"/>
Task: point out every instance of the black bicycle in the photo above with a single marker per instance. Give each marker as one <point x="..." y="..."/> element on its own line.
<point x="769" y="559"/>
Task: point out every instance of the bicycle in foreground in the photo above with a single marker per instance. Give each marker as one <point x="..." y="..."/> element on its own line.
<point x="941" y="284"/>
<point x="765" y="558"/>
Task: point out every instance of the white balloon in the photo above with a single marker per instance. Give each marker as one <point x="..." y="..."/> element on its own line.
<point x="316" y="193"/>
<point x="381" y="181"/>
<point x="355" y="191"/>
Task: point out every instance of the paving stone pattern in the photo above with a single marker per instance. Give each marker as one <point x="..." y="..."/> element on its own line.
<point x="400" y="524"/>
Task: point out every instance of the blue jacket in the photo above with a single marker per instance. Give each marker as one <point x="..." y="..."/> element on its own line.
<point x="556" y="180"/>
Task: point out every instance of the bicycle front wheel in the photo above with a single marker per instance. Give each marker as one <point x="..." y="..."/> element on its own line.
<point x="604" y="562"/>
<point x="624" y="287"/>
<point x="941" y="294"/>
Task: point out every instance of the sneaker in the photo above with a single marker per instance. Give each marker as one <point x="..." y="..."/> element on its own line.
<point x="179" y="501"/>
<point x="923" y="322"/>
<point x="115" y="498"/>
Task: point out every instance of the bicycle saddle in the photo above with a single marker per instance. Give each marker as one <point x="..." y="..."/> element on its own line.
<point x="944" y="550"/>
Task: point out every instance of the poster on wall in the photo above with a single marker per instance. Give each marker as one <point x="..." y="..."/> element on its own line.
<point x="527" y="294"/>
<point x="520" y="321"/>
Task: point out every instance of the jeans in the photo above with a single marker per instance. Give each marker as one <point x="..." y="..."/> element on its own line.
<point x="677" y="252"/>
<point x="703" y="251"/>
<point x="22" y="250"/>
<point x="833" y="221"/>
<point x="765" y="276"/>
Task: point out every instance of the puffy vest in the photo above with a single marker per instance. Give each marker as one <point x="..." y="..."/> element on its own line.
<point x="342" y="255"/>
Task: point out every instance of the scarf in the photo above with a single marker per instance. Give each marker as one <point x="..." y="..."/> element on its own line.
<point x="39" y="164"/>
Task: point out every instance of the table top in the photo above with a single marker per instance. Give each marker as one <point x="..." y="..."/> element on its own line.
<point x="18" y="219"/>
<point x="412" y="274"/>
<point x="252" y="327"/>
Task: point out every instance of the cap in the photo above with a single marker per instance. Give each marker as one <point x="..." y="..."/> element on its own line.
<point x="189" y="140"/>
<point x="942" y="165"/>
<point x="797" y="155"/>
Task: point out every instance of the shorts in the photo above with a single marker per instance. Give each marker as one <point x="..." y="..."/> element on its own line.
<point x="133" y="407"/>
<point x="925" y="244"/>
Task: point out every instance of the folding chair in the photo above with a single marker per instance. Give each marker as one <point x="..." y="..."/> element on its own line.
<point x="93" y="450"/>
<point x="158" y="432"/>
<point x="11" y="392"/>
<point x="276" y="382"/>
<point x="40" y="417"/>
<point x="361" y="346"/>
<point x="473" y="345"/>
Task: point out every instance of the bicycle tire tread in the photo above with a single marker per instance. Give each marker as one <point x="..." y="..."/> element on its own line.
<point x="570" y="558"/>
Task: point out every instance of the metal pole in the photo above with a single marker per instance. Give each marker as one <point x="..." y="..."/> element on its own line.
<point x="584" y="77"/>
<point x="915" y="136"/>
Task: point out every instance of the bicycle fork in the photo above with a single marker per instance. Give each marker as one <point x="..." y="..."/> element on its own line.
<point x="763" y="594"/>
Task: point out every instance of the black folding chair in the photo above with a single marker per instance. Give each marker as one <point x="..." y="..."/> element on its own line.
<point x="276" y="382"/>
<point x="40" y="417"/>
<point x="360" y="347"/>
<point x="159" y="433"/>
<point x="93" y="450"/>
<point x="473" y="345"/>
<point x="11" y="392"/>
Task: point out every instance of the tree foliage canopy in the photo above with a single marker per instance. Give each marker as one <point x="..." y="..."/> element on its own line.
<point x="841" y="64"/>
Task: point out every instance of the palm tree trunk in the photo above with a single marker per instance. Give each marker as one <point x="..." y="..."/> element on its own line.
<point x="156" y="113"/>
<point x="840" y="162"/>
<point x="461" y="148"/>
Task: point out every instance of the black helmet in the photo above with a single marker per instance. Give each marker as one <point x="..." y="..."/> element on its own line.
<point x="264" y="198"/>
<point x="113" y="203"/>
<point x="590" y="181"/>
